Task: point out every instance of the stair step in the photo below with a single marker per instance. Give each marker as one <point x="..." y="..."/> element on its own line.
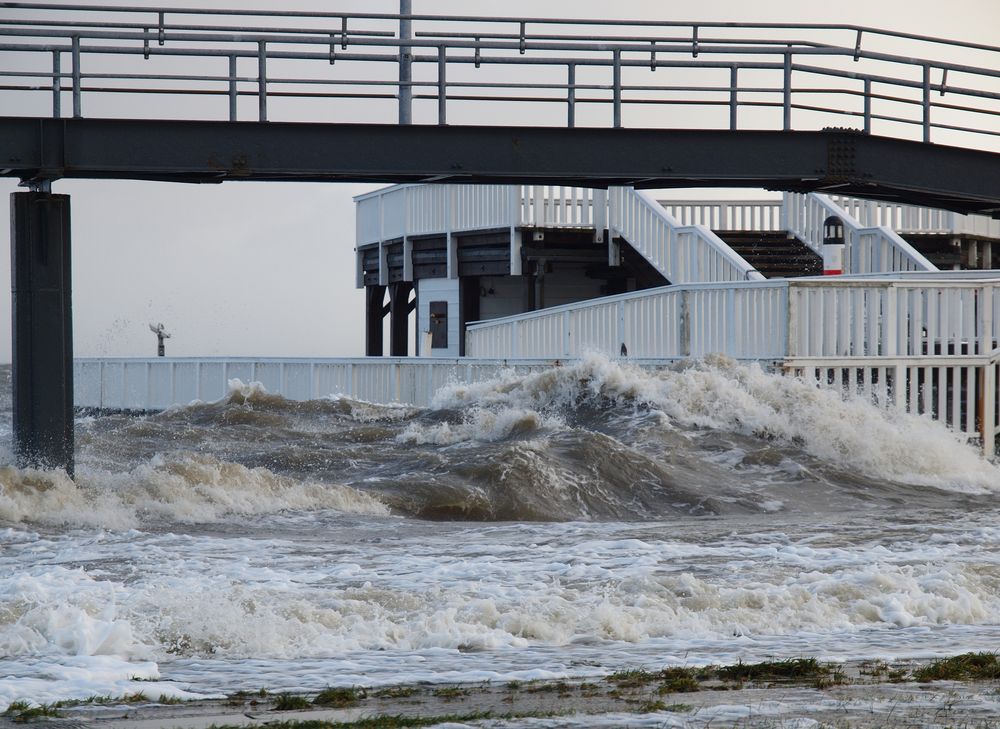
<point x="774" y="254"/>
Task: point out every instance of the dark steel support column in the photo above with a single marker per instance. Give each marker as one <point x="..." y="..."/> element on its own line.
<point x="42" y="369"/>
<point x="374" y="313"/>
<point x="399" y="318"/>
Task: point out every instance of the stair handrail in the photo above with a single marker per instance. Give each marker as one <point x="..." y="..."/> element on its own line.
<point x="682" y="253"/>
<point x="867" y="249"/>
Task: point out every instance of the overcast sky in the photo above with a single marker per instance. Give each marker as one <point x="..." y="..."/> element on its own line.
<point x="268" y="268"/>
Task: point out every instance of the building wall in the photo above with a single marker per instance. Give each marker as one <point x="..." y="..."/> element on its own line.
<point x="437" y="289"/>
<point x="568" y="283"/>
<point x="500" y="296"/>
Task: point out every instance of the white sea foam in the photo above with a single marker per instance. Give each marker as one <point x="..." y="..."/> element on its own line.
<point x="480" y="424"/>
<point x="720" y="394"/>
<point x="184" y="487"/>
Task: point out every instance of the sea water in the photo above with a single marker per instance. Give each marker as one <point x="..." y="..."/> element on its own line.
<point x="566" y="523"/>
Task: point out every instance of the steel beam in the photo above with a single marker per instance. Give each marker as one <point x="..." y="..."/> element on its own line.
<point x="42" y="369"/>
<point x="198" y="151"/>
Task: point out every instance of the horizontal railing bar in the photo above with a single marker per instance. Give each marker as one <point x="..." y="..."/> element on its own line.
<point x="927" y="360"/>
<point x="508" y="19"/>
<point x="322" y="38"/>
<point x="531" y="85"/>
<point x="784" y="42"/>
<point x="890" y="80"/>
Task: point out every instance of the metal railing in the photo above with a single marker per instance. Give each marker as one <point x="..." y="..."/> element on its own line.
<point x="872" y="249"/>
<point x="751" y="75"/>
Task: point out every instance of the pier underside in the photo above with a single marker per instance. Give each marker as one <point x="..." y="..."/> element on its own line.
<point x="844" y="161"/>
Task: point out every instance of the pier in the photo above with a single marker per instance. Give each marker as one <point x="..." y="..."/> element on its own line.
<point x="846" y="117"/>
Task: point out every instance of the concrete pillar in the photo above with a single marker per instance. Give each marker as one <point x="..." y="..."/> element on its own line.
<point x="399" y="318"/>
<point x="42" y="369"/>
<point x="375" y="312"/>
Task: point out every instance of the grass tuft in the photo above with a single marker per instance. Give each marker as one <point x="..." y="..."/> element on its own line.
<point x="22" y="711"/>
<point x="965" y="667"/>
<point x="291" y="702"/>
<point x="378" y="722"/>
<point x="340" y="697"/>
<point x="793" y="669"/>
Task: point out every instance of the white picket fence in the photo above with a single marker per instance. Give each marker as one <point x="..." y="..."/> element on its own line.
<point x="729" y="215"/>
<point x="916" y="219"/>
<point x="959" y="391"/>
<point x="687" y="320"/>
<point x="157" y="383"/>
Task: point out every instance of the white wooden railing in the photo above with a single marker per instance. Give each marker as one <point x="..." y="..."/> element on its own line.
<point x="908" y="219"/>
<point x="682" y="253"/>
<point x="959" y="391"/>
<point x="675" y="236"/>
<point x="729" y="215"/>
<point x="156" y="383"/>
<point x="421" y="209"/>
<point x="687" y="320"/>
<point x="866" y="249"/>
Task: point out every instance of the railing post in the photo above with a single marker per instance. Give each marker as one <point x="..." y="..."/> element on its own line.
<point x="262" y="81"/>
<point x="868" y="106"/>
<point x="442" y="99"/>
<point x="684" y="326"/>
<point x="617" y="87"/>
<point x="77" y="111"/>
<point x="56" y="84"/>
<point x="927" y="103"/>
<point x="405" y="63"/>
<point x="232" y="89"/>
<point x="787" y="110"/>
<point x="571" y="95"/>
<point x="733" y="71"/>
<point x="988" y="424"/>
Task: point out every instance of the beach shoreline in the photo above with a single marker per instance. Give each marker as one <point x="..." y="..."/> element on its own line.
<point x="798" y="692"/>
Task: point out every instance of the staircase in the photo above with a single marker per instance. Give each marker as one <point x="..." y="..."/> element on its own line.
<point x="773" y="253"/>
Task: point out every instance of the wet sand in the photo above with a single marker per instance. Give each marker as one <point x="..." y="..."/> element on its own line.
<point x="851" y="696"/>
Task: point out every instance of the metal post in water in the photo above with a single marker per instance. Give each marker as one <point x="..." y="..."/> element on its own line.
<point x="42" y="351"/>
<point x="405" y="63"/>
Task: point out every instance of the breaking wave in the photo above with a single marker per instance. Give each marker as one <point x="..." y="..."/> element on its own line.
<point x="187" y="488"/>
